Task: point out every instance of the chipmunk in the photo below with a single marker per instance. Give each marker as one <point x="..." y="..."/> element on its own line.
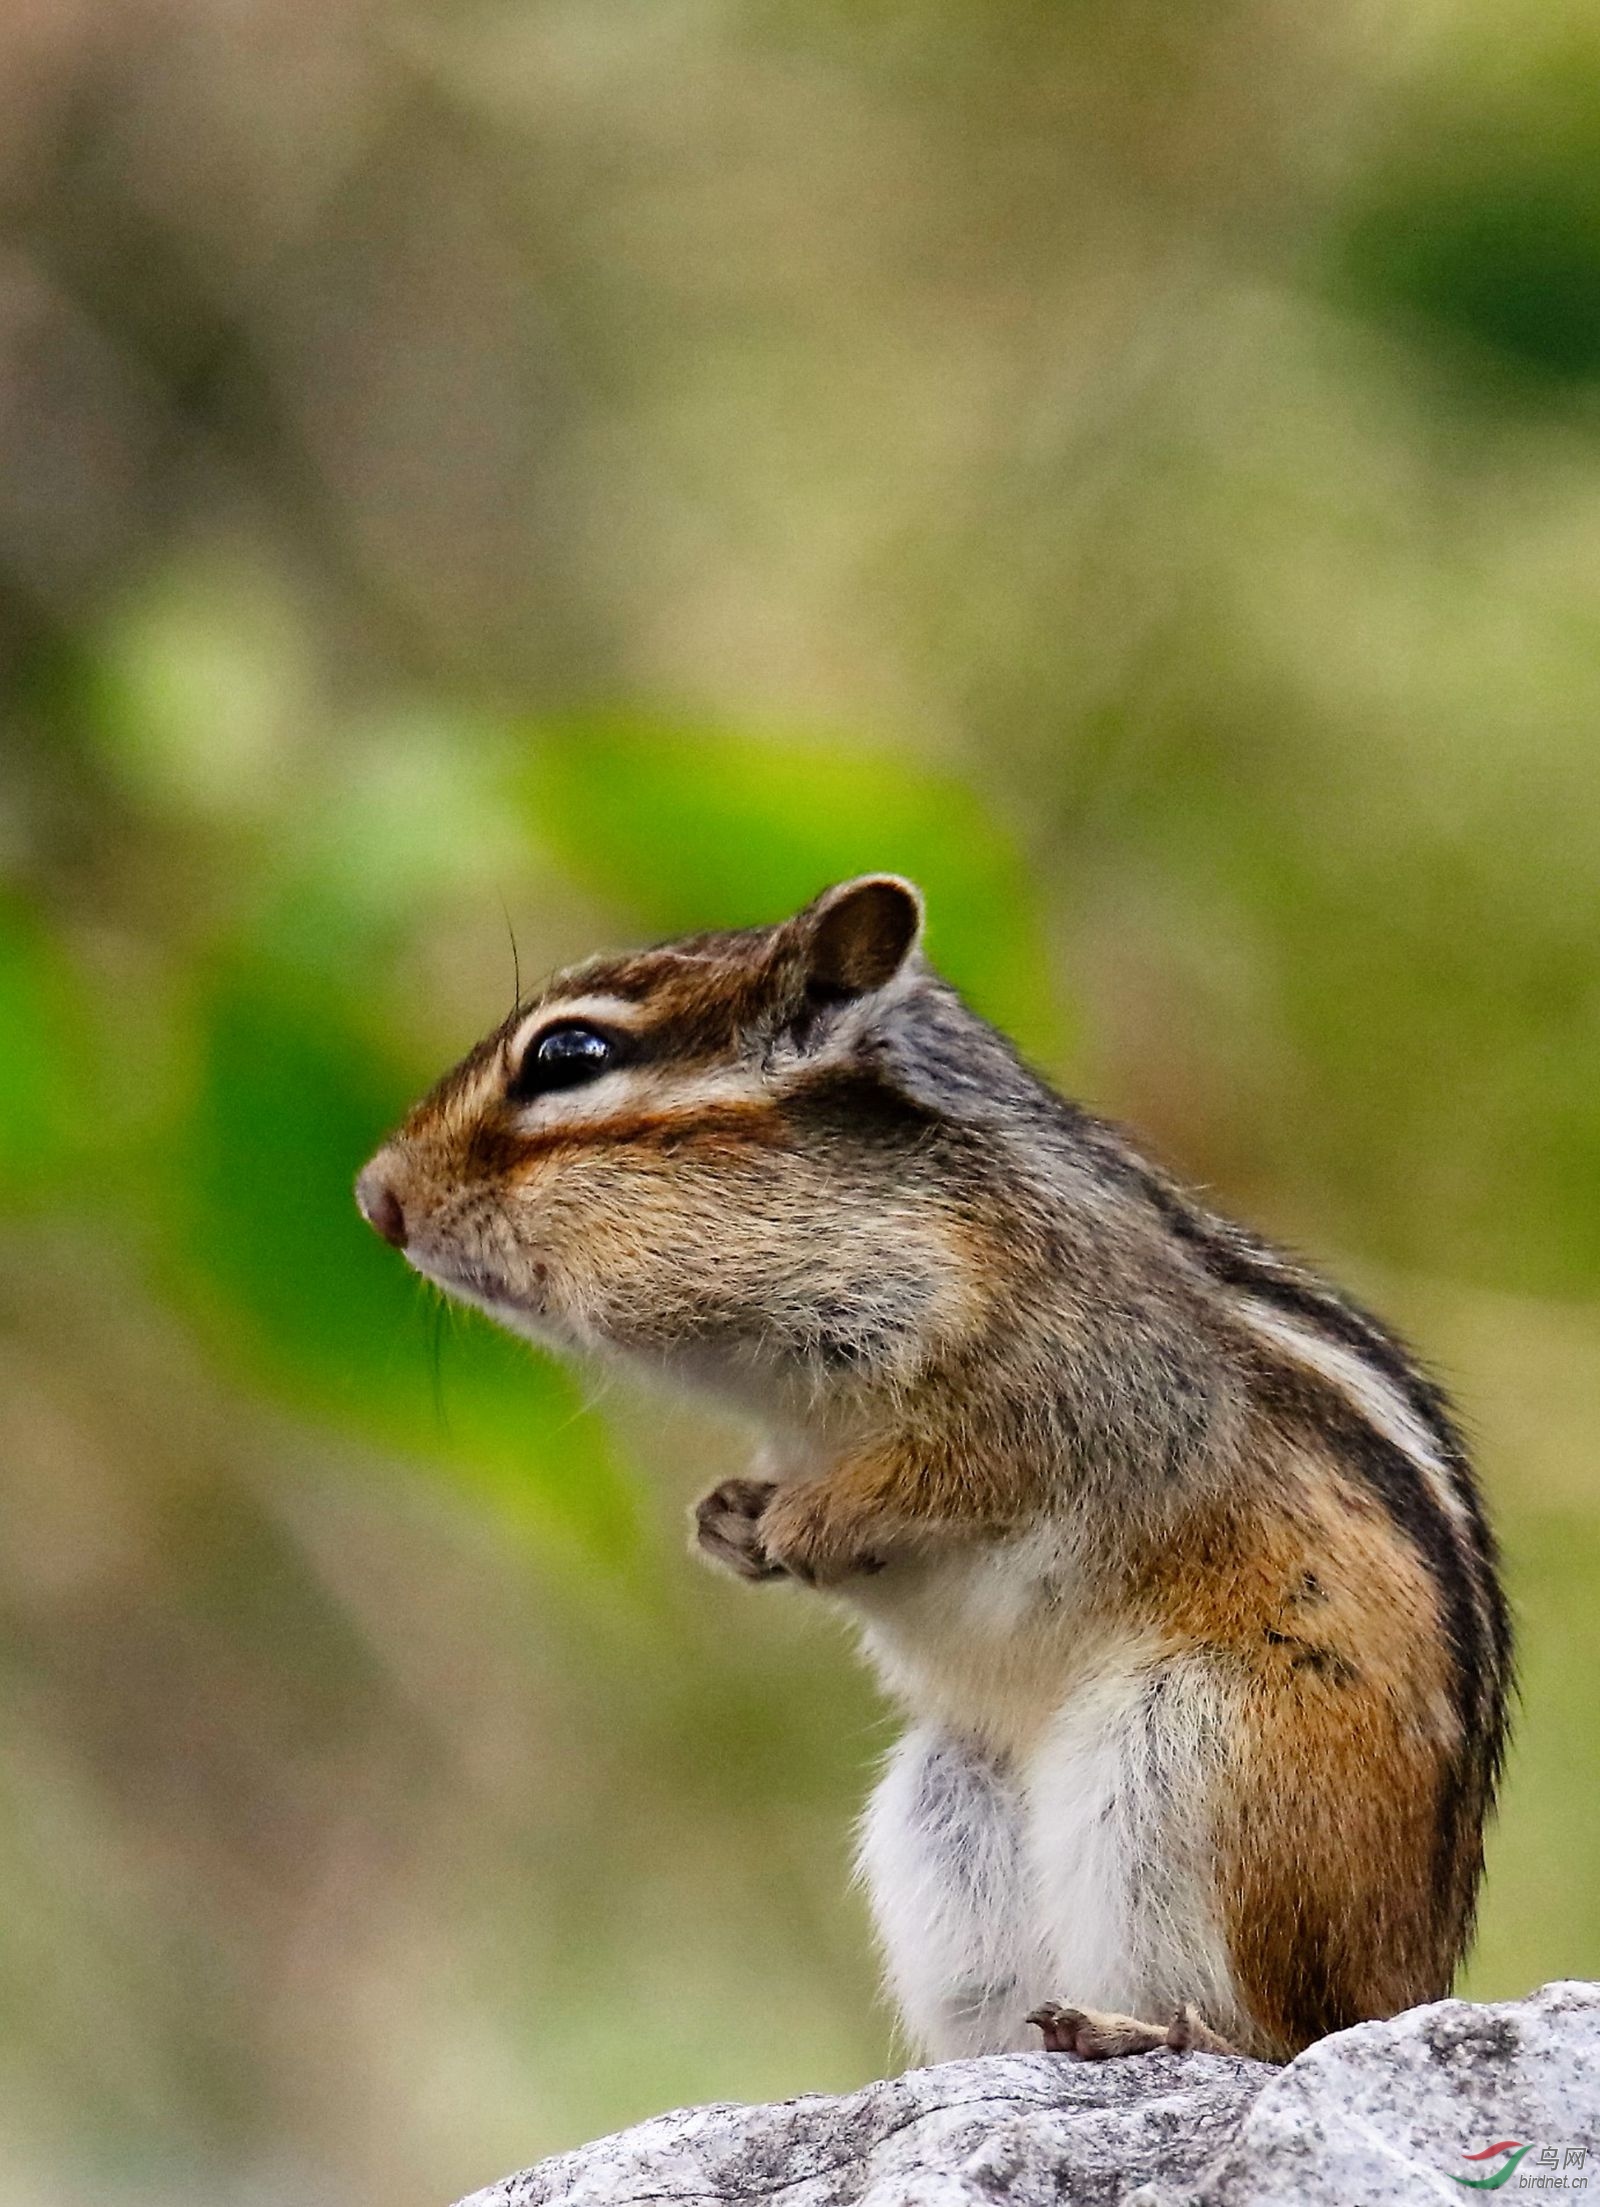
<point x="1168" y="1550"/>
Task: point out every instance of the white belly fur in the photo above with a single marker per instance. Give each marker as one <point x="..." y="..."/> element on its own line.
<point x="1043" y="1831"/>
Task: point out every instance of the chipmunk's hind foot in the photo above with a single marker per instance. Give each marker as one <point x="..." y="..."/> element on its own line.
<point x="1089" y="2035"/>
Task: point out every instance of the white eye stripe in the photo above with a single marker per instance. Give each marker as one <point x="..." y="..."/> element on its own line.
<point x="630" y="1089"/>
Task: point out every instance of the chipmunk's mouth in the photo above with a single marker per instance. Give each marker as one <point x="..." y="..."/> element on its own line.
<point x="470" y="1282"/>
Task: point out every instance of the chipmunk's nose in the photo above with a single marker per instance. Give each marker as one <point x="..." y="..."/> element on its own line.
<point x="380" y="1206"/>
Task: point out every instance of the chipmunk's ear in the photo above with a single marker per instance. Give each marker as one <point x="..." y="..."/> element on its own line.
<point x="859" y="935"/>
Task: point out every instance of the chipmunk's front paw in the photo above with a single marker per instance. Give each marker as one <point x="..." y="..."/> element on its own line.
<point x="805" y="1532"/>
<point x="727" y="1528"/>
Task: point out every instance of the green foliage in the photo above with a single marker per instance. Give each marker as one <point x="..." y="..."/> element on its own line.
<point x="45" y="1106"/>
<point x="1508" y="261"/>
<point x="1483" y="225"/>
<point x="267" y="1251"/>
<point x="686" y="829"/>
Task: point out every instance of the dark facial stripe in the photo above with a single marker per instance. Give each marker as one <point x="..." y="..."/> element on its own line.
<point x="663" y="1129"/>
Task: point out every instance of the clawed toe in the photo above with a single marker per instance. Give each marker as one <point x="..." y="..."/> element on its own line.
<point x="1088" y="2035"/>
<point x="1186" y="2034"/>
<point x="1057" y="2026"/>
<point x="727" y="1528"/>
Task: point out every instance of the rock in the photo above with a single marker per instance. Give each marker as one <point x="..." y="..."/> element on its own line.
<point x="1391" y="2111"/>
<point x="1383" y="2114"/>
<point x="1031" y="2128"/>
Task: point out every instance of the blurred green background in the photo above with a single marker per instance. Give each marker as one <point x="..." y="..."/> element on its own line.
<point x="613" y="465"/>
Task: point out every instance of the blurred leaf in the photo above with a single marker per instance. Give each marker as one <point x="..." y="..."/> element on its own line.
<point x="687" y="830"/>
<point x="203" y="689"/>
<point x="289" y="1101"/>
<point x="1485" y="221"/>
<point x="43" y="1083"/>
<point x="1510" y="264"/>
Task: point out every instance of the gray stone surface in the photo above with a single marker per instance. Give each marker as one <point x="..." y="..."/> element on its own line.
<point x="1387" y="2112"/>
<point x="1383" y="2114"/>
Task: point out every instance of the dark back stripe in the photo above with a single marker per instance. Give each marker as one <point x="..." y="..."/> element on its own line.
<point x="1317" y="1409"/>
<point x="1234" y="1259"/>
<point x="1472" y="1609"/>
<point x="1462" y="1559"/>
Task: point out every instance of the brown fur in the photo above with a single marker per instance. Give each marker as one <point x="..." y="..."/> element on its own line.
<point x="1325" y="1827"/>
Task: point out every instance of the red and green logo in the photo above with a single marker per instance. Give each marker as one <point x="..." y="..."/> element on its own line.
<point x="1513" y="2154"/>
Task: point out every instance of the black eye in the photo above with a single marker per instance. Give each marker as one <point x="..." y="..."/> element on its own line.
<point x="563" y="1057"/>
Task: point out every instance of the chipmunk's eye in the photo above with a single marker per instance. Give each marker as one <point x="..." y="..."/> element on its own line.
<point x="562" y="1057"/>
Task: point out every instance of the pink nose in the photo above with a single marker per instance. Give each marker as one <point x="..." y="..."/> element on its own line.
<point x="380" y="1206"/>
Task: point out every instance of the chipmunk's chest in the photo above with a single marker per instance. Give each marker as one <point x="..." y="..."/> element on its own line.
<point x="986" y="1640"/>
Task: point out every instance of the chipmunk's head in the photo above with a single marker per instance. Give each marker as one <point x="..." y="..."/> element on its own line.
<point x="708" y="1155"/>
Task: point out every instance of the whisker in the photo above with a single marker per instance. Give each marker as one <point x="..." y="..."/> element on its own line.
<point x="441" y="1414"/>
<point x="516" y="961"/>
